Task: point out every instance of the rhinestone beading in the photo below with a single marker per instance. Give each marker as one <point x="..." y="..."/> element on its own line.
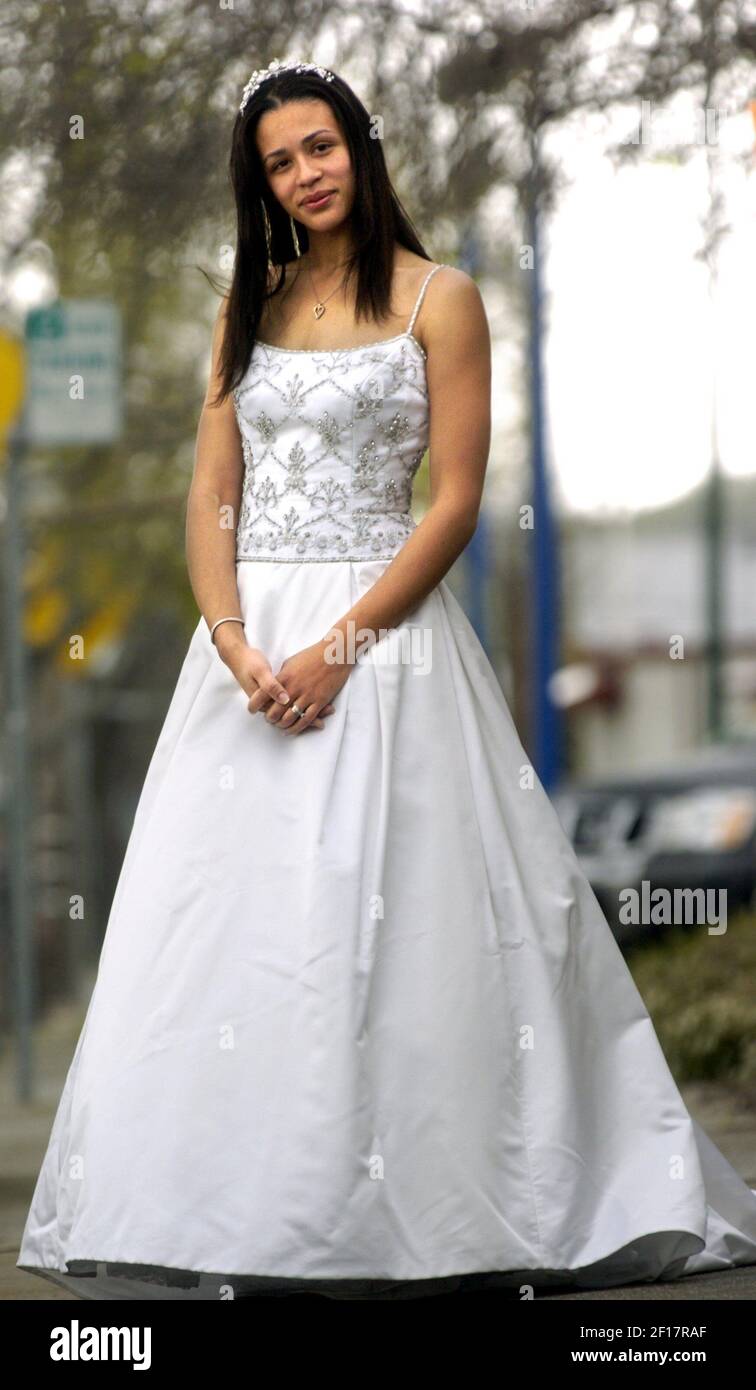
<point x="332" y="440"/>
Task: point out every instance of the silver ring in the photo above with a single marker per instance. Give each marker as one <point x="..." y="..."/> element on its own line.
<point x="299" y="712"/>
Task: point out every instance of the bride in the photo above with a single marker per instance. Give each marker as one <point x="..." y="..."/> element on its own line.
<point x="359" y="1025"/>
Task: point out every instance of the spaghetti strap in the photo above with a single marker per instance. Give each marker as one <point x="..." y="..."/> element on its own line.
<point x="419" y="299"/>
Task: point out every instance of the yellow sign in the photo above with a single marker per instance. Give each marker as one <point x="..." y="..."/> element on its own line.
<point x="11" y="381"/>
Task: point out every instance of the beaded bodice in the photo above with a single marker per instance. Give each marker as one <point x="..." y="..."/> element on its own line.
<point x="332" y="440"/>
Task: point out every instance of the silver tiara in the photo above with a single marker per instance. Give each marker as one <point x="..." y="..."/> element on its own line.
<point x="273" y="69"/>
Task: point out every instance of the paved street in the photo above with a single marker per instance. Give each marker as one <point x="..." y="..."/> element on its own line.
<point x="729" y="1119"/>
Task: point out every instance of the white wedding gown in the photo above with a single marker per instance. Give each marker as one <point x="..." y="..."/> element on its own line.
<point x="359" y="1020"/>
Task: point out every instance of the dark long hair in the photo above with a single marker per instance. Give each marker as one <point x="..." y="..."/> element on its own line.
<point x="377" y="218"/>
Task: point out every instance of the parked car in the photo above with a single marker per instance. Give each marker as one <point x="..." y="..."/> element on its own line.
<point x="688" y="825"/>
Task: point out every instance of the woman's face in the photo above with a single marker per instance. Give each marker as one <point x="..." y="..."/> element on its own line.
<point x="304" y="154"/>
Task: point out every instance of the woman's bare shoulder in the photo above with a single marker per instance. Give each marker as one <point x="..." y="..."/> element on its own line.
<point x="453" y="311"/>
<point x="453" y="287"/>
<point x="450" y="284"/>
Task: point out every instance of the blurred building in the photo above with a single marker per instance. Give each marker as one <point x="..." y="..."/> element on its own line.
<point x="635" y="678"/>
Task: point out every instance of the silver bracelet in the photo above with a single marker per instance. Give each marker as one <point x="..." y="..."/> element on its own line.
<point x="223" y="620"/>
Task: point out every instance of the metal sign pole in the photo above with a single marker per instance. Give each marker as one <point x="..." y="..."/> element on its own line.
<point x="547" y="733"/>
<point x="18" y="809"/>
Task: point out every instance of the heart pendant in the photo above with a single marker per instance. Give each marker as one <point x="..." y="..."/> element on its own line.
<point x="319" y="311"/>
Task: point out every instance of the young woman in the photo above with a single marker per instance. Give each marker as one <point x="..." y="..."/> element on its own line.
<point x="359" y="1023"/>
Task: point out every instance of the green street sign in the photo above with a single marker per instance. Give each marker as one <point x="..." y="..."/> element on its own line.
<point x="74" y="373"/>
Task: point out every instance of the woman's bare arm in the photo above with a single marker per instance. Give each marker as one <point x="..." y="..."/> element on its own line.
<point x="459" y="386"/>
<point x="213" y="507"/>
<point x="211" y="518"/>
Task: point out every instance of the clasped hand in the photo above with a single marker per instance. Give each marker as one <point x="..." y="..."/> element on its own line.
<point x="307" y="678"/>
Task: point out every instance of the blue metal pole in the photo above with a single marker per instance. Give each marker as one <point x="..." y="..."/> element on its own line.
<point x="547" y="721"/>
<point x="477" y="552"/>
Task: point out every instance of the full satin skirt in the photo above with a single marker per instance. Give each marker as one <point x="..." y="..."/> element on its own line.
<point x="359" y="1022"/>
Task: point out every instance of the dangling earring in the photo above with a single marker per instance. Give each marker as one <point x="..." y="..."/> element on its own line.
<point x="267" y="229"/>
<point x="294" y="236"/>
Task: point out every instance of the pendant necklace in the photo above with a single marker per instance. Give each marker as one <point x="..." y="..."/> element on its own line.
<point x="319" y="309"/>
